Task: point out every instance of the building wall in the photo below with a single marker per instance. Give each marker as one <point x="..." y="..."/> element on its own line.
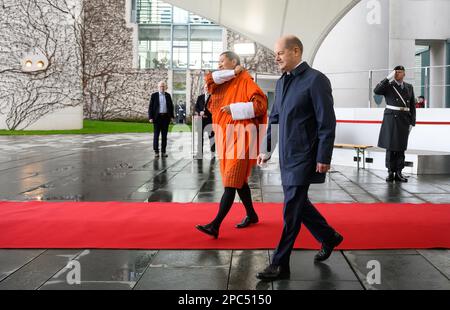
<point x="123" y="92"/>
<point x="29" y="98"/>
<point x="103" y="80"/>
<point x="380" y="34"/>
<point x="358" y="43"/>
<point x="113" y="87"/>
<point x="262" y="62"/>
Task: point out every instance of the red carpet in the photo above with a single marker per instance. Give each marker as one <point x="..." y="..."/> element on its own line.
<point x="113" y="225"/>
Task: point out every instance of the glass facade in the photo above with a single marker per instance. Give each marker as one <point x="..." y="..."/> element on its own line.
<point x="172" y="38"/>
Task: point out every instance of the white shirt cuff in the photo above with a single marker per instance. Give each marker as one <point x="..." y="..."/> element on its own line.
<point x="223" y="76"/>
<point x="242" y="110"/>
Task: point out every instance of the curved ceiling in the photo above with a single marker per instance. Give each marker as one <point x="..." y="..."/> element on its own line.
<point x="264" y="21"/>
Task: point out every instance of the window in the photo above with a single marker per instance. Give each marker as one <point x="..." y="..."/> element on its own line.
<point x="172" y="38"/>
<point x="154" y="47"/>
<point x="180" y="16"/>
<point x="180" y="47"/>
<point x="205" y="46"/>
<point x="153" y="12"/>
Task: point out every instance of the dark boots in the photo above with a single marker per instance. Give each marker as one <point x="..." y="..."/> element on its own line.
<point x="397" y="176"/>
<point x="390" y="177"/>
<point x="400" y="178"/>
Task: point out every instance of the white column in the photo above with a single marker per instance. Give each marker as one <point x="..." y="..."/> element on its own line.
<point x="188" y="92"/>
<point x="437" y="75"/>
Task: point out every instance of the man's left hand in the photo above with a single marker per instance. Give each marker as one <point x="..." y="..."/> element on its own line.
<point x="323" y="168"/>
<point x="226" y="109"/>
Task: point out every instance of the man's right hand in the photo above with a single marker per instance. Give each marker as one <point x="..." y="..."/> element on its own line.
<point x="262" y="159"/>
<point x="391" y="75"/>
<point x="151" y="121"/>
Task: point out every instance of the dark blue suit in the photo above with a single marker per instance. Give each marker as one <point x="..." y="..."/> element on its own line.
<point x="304" y="111"/>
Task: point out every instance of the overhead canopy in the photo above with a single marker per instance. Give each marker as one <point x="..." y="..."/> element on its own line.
<point x="264" y="21"/>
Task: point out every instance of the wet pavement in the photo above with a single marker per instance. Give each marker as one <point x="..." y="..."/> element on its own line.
<point x="123" y="168"/>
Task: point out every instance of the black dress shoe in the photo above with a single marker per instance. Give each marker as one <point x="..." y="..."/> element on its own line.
<point x="209" y="230"/>
<point x="327" y="248"/>
<point x="399" y="177"/>
<point x="390" y="177"/>
<point x="247" y="221"/>
<point x="273" y="273"/>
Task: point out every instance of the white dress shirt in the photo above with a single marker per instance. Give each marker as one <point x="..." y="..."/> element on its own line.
<point x="162" y="103"/>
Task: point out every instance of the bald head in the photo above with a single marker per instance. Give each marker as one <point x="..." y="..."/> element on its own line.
<point x="288" y="51"/>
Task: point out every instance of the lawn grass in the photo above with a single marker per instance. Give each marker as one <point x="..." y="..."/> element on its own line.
<point x="91" y="127"/>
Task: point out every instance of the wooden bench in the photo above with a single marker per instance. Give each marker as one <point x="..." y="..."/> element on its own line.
<point x="359" y="148"/>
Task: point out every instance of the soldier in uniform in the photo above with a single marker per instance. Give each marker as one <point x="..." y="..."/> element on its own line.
<point x="399" y="118"/>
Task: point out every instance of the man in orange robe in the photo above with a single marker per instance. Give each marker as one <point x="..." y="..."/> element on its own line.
<point x="239" y="109"/>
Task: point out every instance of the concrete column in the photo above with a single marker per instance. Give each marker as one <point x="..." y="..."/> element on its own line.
<point x="437" y="75"/>
<point x="133" y="25"/>
<point x="188" y="92"/>
<point x="402" y="52"/>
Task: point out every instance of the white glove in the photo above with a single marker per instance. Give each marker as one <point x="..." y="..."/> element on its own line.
<point x="391" y="75"/>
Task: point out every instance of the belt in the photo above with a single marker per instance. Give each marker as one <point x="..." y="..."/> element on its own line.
<point x="163" y="113"/>
<point x="391" y="107"/>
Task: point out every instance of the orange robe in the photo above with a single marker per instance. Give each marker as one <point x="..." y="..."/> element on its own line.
<point x="236" y="167"/>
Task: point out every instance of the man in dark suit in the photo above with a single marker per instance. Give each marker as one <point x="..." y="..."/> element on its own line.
<point x="160" y="114"/>
<point x="201" y="109"/>
<point x="303" y="111"/>
<point x="399" y="118"/>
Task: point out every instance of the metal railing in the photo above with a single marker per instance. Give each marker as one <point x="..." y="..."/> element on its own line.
<point x="353" y="87"/>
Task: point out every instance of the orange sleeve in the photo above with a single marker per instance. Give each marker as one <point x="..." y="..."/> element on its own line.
<point x="210" y="83"/>
<point x="259" y="105"/>
<point x="258" y="98"/>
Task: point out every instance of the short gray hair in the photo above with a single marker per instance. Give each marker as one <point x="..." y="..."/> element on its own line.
<point x="232" y="56"/>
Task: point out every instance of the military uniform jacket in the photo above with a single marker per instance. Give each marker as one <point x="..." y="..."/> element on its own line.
<point x="394" y="131"/>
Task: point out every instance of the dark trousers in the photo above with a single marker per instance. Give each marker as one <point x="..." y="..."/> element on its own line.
<point x="395" y="161"/>
<point x="210" y="132"/>
<point x="298" y="209"/>
<point x="161" y="126"/>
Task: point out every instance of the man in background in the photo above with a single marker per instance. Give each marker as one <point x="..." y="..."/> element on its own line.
<point x="161" y="114"/>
